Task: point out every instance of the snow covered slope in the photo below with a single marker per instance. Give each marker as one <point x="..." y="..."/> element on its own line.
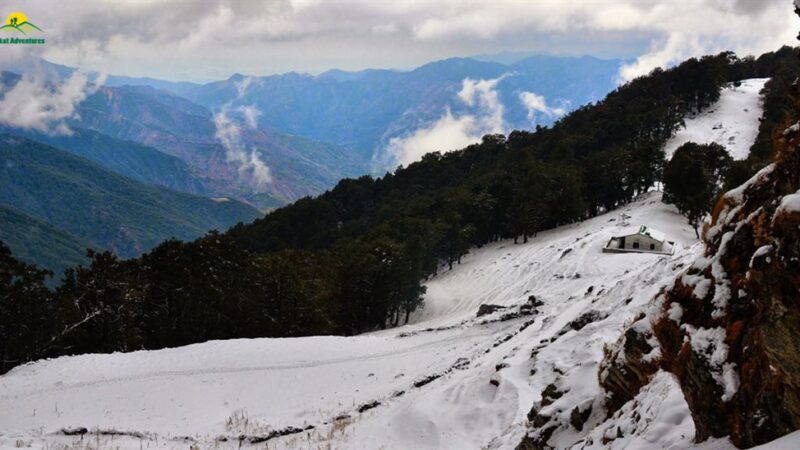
<point x="731" y="122"/>
<point x="449" y="380"/>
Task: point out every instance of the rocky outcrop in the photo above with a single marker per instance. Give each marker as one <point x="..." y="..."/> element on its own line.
<point x="629" y="365"/>
<point x="730" y="325"/>
<point x="488" y="308"/>
<point x="728" y="328"/>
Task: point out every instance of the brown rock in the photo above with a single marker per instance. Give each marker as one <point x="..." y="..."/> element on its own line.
<point x="623" y="377"/>
<point x="755" y="247"/>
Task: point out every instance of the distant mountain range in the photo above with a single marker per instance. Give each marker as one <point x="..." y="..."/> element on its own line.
<point x="53" y="200"/>
<point x="310" y="130"/>
<point x="121" y="179"/>
<point x="128" y="158"/>
<point x="364" y="110"/>
<point x="178" y="127"/>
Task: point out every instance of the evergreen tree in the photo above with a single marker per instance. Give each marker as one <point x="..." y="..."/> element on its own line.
<point x="26" y="311"/>
<point x="693" y="179"/>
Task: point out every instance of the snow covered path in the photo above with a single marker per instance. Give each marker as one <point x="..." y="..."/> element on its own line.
<point x="448" y="380"/>
<point x="731" y="122"/>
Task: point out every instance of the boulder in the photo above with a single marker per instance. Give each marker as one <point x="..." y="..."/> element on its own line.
<point x="488" y="308"/>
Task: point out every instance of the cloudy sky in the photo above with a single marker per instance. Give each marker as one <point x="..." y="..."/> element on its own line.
<point x="201" y="40"/>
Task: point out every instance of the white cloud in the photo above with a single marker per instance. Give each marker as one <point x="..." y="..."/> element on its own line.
<point x="251" y="114"/>
<point x="280" y="35"/>
<point x="700" y="27"/>
<point x="450" y="132"/>
<point x="243" y="85"/>
<point x="249" y="161"/>
<point x="229" y="134"/>
<point x="384" y="29"/>
<point x="483" y="94"/>
<point x="536" y="103"/>
<point x="33" y="103"/>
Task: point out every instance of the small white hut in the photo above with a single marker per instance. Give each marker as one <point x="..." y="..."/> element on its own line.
<point x="645" y="240"/>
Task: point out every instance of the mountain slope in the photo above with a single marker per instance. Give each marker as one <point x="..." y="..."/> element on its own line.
<point x="103" y="208"/>
<point x="525" y="371"/>
<point x="126" y="158"/>
<point x="203" y="158"/>
<point x="732" y="121"/>
<point x="431" y="379"/>
<point x="178" y="127"/>
<point x="726" y="328"/>
<point x="364" y="110"/>
<point x="36" y="242"/>
<point x="447" y="380"/>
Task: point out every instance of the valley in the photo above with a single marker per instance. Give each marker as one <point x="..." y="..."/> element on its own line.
<point x="448" y="379"/>
<point x="271" y="384"/>
<point x="436" y="225"/>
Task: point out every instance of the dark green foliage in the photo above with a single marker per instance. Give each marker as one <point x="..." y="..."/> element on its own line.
<point x="26" y="319"/>
<point x="693" y="179"/>
<point x="597" y="158"/>
<point x="738" y="173"/>
<point x="352" y="259"/>
<point x="129" y="159"/>
<point x="36" y="242"/>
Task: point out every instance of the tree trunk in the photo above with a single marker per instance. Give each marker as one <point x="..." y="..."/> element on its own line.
<point x="696" y="225"/>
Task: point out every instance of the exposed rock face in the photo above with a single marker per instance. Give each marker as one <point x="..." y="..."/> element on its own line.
<point x="543" y="424"/>
<point x="578" y="418"/>
<point x="488" y="308"/>
<point x="629" y="365"/>
<point x="729" y="326"/>
<point x="584" y="319"/>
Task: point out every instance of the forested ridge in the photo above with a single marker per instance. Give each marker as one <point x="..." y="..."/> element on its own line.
<point x="353" y="259"/>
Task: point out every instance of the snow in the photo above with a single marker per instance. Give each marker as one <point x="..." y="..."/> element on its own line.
<point x="731" y="122"/>
<point x="655" y="234"/>
<point x="253" y="386"/>
<point x="657" y="418"/>
<point x="730" y="381"/>
<point x="675" y="312"/>
<point x="448" y="380"/>
<point x="700" y="283"/>
<point x="789" y="204"/>
<point x="737" y="194"/>
<point x="709" y="343"/>
<point x="789" y="442"/>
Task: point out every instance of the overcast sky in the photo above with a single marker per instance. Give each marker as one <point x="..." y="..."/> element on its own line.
<point x="204" y="40"/>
